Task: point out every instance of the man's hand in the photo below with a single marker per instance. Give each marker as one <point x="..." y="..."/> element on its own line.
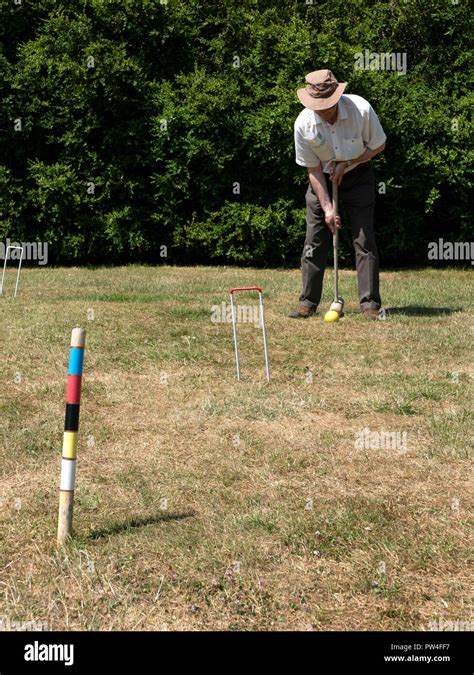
<point x="337" y="168"/>
<point x="331" y="222"/>
<point x="337" y="172"/>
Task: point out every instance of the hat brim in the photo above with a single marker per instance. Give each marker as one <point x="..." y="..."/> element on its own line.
<point x="321" y="103"/>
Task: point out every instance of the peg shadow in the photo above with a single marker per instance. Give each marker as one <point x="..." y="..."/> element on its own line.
<point x="132" y="523"/>
<point x="416" y="310"/>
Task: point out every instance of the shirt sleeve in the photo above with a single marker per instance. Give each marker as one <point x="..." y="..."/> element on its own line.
<point x="372" y="131"/>
<point x="305" y="156"/>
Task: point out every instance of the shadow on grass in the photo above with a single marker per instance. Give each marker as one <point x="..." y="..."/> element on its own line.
<point x="415" y="310"/>
<point x="118" y="528"/>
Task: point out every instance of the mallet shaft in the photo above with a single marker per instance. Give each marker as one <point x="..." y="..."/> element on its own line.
<point x="335" y="241"/>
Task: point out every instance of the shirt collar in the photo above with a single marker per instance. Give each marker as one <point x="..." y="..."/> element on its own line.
<point x="342" y="113"/>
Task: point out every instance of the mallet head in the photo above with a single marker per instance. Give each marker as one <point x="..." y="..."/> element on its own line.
<point x="337" y="306"/>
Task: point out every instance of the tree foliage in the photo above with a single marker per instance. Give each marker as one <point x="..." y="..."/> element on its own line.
<point x="139" y="118"/>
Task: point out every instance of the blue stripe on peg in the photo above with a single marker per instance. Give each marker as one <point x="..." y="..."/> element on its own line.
<point x="76" y="360"/>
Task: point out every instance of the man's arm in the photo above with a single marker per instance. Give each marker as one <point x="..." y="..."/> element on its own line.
<point x="340" y="167"/>
<point x="366" y="155"/>
<point x="318" y="183"/>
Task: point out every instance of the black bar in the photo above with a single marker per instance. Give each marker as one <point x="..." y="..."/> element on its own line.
<point x="72" y="417"/>
<point x="314" y="653"/>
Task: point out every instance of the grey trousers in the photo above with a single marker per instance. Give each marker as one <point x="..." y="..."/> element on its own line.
<point x="357" y="195"/>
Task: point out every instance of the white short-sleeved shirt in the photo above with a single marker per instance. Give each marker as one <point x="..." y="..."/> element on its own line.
<point x="356" y="129"/>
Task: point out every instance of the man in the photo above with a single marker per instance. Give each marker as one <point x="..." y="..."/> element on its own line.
<point x="336" y="136"/>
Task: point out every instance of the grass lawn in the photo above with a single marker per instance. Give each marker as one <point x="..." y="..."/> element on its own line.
<point x="204" y="503"/>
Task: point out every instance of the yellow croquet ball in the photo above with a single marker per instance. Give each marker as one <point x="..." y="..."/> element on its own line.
<point x="331" y="316"/>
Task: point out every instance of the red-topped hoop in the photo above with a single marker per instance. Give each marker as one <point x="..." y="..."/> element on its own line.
<point x="246" y="288"/>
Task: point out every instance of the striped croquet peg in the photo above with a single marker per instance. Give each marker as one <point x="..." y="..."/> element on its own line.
<point x="71" y="428"/>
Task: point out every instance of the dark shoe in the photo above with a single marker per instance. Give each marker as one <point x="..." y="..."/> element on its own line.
<point x="302" y="312"/>
<point x="371" y="314"/>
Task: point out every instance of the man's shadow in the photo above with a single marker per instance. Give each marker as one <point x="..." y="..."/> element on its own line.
<point x="417" y="310"/>
<point x="118" y="528"/>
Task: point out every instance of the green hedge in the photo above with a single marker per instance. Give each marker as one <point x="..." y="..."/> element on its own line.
<point x="144" y="148"/>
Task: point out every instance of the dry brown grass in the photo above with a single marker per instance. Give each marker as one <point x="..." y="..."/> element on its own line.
<point x="239" y="545"/>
